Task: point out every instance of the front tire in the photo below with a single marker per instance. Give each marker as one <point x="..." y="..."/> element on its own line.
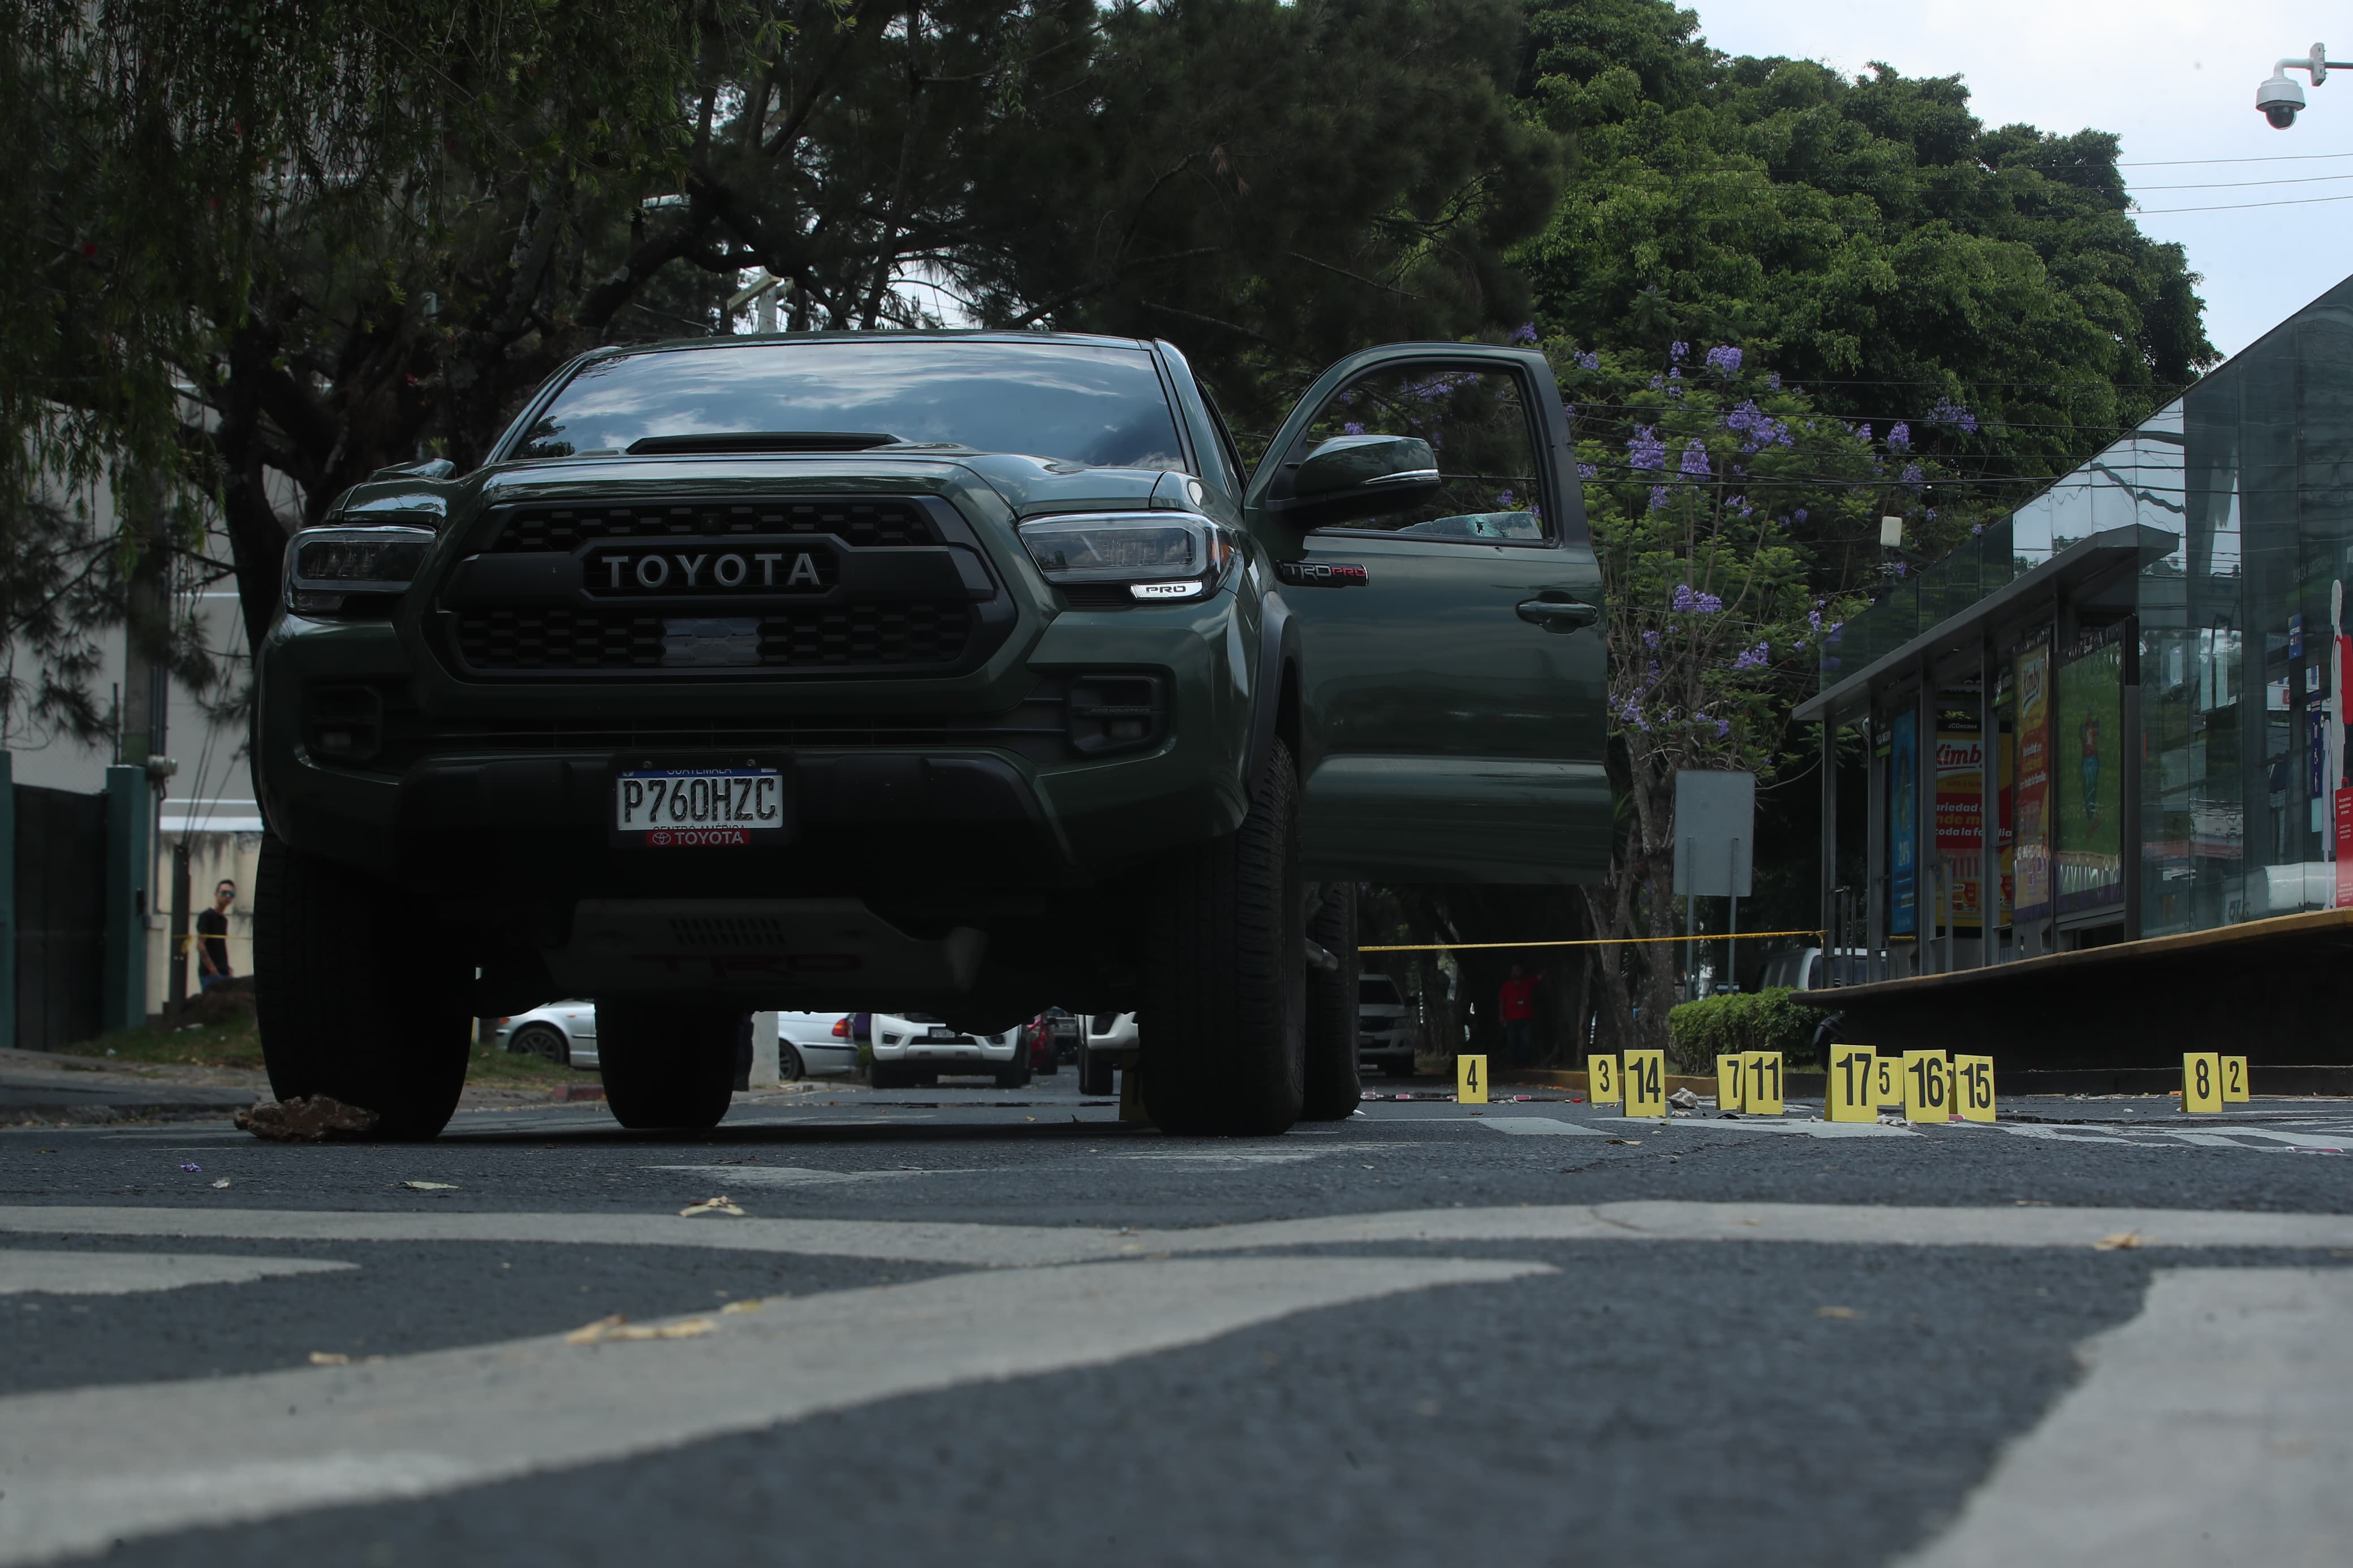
<point x="1226" y="1054"/>
<point x="666" y="1064"/>
<point x="358" y="1000"/>
<point x="1334" y="1085"/>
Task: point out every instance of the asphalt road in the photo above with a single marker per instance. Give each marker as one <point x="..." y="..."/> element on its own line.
<point x="987" y="1327"/>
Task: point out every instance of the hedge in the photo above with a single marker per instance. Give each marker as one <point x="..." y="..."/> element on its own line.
<point x="1743" y="1021"/>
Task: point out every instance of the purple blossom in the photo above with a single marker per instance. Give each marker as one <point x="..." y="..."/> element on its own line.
<point x="1861" y="432"/>
<point x="1754" y="659"/>
<point x="1773" y="379"/>
<point x="1568" y="410"/>
<point x="1644" y="450"/>
<point x="1589" y="470"/>
<point x="1351" y="428"/>
<point x="1658" y="497"/>
<point x="1977" y="528"/>
<point x="1503" y="501"/>
<point x="1814" y="619"/>
<point x="1723" y="728"/>
<point x="1911" y="475"/>
<point x="1650" y="638"/>
<point x="1902" y="570"/>
<point x="1695" y="463"/>
<point x="1756" y="428"/>
<point x="1948" y="412"/>
<point x="1696" y="602"/>
<point x="1801" y="514"/>
<point x="1725" y="360"/>
<point x="1588" y="361"/>
<point x="1526" y="332"/>
<point x="1899" y="438"/>
<point x="1678" y="350"/>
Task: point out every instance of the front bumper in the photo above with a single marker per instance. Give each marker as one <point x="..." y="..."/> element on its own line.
<point x="981" y="781"/>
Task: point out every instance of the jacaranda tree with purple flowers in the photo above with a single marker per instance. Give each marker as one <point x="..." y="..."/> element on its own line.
<point x="1723" y="506"/>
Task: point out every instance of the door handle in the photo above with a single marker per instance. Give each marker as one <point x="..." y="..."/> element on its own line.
<point x="1559" y="614"/>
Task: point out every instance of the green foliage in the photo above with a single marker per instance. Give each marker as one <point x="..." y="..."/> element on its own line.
<point x="1742" y="1021"/>
<point x="1869" y="235"/>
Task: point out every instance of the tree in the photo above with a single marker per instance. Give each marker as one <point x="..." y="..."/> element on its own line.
<point x="1714" y="490"/>
<point x="271" y="247"/>
<point x="1868" y="236"/>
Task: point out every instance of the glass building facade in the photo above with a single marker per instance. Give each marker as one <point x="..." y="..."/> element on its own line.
<point x="2140" y="665"/>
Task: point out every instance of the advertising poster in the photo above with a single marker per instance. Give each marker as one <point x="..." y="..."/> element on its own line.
<point x="1902" y="839"/>
<point x="2031" y="852"/>
<point x="2088" y="857"/>
<point x="1960" y="810"/>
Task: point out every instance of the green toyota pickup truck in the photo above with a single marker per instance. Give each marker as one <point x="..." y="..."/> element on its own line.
<point x="957" y="673"/>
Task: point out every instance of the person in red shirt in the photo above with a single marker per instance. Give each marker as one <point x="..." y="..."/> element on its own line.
<point x="1517" y="1007"/>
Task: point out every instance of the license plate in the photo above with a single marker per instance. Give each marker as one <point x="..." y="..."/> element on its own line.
<point x="948" y="1034"/>
<point x="686" y="809"/>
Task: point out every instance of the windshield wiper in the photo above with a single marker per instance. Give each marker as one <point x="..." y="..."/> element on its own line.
<point x="765" y="441"/>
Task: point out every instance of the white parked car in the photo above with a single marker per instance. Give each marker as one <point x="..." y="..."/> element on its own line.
<point x="919" y="1048"/>
<point x="1109" y="1034"/>
<point x="814" y="1045"/>
<point x="1383" y="1026"/>
<point x="564" y="1033"/>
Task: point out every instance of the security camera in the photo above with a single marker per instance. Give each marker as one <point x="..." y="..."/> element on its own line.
<point x="2278" y="99"/>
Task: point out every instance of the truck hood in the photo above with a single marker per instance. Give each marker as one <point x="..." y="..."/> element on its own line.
<point x="1024" y="486"/>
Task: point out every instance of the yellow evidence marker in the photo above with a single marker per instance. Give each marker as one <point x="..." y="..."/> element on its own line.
<point x="1762" y="1094"/>
<point x="1727" y="1082"/>
<point x="1973" y="1088"/>
<point x="2202" y="1083"/>
<point x="1887" y="1082"/>
<point x="1924" y="1096"/>
<point x="1646" y="1083"/>
<point x="1601" y="1086"/>
<point x="1471" y="1080"/>
<point x="2234" y="1080"/>
<point x="1852" y="1094"/>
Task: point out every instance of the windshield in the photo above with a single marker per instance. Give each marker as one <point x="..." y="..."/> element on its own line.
<point x="1081" y="402"/>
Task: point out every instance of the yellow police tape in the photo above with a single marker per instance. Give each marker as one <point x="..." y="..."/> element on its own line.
<point x="1573" y="941"/>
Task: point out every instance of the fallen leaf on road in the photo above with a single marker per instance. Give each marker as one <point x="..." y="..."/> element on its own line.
<point x="723" y="1203"/>
<point x="750" y="1304"/>
<point x="1625" y="1140"/>
<point x="222" y="1182"/>
<point x="619" y="1327"/>
<point x="302" y="1120"/>
<point x="432" y="1186"/>
<point x="2122" y="1241"/>
<point x="330" y="1358"/>
<point x="1844" y="1314"/>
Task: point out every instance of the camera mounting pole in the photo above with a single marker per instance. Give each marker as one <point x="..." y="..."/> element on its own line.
<point x="2281" y="97"/>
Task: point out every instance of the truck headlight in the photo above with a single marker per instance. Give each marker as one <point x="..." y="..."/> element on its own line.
<point x="326" y="567"/>
<point x="1156" y="555"/>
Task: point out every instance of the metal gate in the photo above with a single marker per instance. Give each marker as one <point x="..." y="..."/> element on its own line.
<point x="60" y="916"/>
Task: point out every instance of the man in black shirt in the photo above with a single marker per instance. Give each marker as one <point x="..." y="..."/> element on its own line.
<point x="212" y="934"/>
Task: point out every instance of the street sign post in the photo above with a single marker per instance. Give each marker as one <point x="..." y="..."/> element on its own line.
<point x="1715" y="845"/>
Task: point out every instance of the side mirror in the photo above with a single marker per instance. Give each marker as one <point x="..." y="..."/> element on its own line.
<point x="1358" y="476"/>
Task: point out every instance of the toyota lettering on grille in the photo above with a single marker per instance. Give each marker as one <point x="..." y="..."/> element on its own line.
<point x="709" y="571"/>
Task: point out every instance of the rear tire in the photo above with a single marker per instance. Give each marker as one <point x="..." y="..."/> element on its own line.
<point x="360" y="1001"/>
<point x="790" y="1069"/>
<point x="1335" y="1084"/>
<point x="1016" y="1073"/>
<point x="1097" y="1073"/>
<point x="1226" y="1054"/>
<point x="666" y="1064"/>
<point x="544" y="1041"/>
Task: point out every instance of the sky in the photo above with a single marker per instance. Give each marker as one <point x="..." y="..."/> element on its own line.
<point x="2174" y="80"/>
